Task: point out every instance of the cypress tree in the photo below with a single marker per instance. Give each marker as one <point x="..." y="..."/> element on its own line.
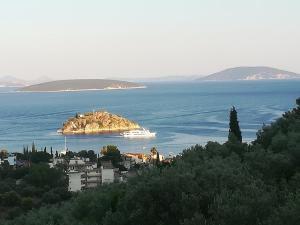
<point x="157" y="159"/>
<point x="33" y="149"/>
<point x="234" y="128"/>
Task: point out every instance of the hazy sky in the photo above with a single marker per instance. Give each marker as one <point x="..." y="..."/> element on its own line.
<point x="147" y="38"/>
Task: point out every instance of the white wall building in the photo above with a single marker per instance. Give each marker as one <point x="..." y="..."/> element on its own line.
<point x="93" y="178"/>
<point x="107" y="173"/>
<point x="76" y="181"/>
<point x="11" y="159"/>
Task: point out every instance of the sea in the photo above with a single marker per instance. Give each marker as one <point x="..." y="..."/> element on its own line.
<point x="182" y="113"/>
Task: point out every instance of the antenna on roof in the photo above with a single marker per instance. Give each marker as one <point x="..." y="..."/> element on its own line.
<point x="66" y="143"/>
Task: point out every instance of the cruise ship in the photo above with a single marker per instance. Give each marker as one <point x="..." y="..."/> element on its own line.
<point x="142" y="133"/>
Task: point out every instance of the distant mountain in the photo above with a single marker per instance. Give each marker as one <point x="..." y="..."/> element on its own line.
<point x="80" y="84"/>
<point x="11" y="81"/>
<point x="168" y="78"/>
<point x="251" y="73"/>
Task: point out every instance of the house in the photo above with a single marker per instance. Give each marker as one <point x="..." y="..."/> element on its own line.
<point x="127" y="161"/>
<point x="153" y="157"/>
<point x="56" y="161"/>
<point x="83" y="174"/>
<point x="76" y="181"/>
<point x="138" y="157"/>
<point x="92" y="178"/>
<point x="107" y="172"/>
<point x="77" y="164"/>
<point x="11" y="159"/>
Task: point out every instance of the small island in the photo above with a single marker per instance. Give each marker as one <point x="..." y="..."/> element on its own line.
<point x="80" y="85"/>
<point x="97" y="122"/>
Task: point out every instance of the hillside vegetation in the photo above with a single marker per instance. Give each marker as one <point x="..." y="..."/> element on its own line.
<point x="219" y="184"/>
<point x="97" y="122"/>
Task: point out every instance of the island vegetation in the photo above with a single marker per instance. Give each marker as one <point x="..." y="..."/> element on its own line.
<point x="216" y="184"/>
<point x="97" y="122"/>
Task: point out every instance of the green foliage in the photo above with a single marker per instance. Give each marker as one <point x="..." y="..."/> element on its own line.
<point x="87" y="154"/>
<point x="27" y="203"/>
<point x="111" y="153"/>
<point x="10" y="199"/>
<point x="22" y="189"/>
<point x="234" y="128"/>
<point x="40" y="175"/>
<point x="38" y="157"/>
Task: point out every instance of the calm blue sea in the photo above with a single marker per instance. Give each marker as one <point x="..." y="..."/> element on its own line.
<point x="182" y="114"/>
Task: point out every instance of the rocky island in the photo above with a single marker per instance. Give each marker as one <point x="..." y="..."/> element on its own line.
<point x="97" y="122"/>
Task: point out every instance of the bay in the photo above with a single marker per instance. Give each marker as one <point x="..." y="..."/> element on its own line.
<point x="182" y="114"/>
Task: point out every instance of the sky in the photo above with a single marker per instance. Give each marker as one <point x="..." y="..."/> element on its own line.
<point x="145" y="38"/>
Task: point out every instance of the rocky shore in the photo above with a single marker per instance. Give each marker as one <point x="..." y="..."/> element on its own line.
<point x="97" y="122"/>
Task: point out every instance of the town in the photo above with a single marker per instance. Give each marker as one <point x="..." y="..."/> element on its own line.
<point x="87" y="169"/>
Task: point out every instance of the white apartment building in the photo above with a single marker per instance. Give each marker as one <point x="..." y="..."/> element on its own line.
<point x="76" y="181"/>
<point x="107" y="173"/>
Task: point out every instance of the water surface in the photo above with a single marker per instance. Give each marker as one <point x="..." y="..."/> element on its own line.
<point x="182" y="114"/>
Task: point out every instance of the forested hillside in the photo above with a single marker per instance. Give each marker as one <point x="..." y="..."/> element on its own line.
<point x="219" y="184"/>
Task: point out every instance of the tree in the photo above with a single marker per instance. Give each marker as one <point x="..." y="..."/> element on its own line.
<point x="11" y="198"/>
<point x="112" y="153"/>
<point x="37" y="157"/>
<point x="40" y="175"/>
<point x="157" y="159"/>
<point x="234" y="127"/>
<point x="83" y="154"/>
<point x="153" y="151"/>
<point x="51" y="152"/>
<point x="33" y="148"/>
<point x="92" y="156"/>
<point x="298" y="102"/>
<point x="27" y="203"/>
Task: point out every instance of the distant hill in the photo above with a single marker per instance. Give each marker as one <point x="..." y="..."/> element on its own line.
<point x="251" y="73"/>
<point x="80" y="84"/>
<point x="177" y="78"/>
<point x="11" y="81"/>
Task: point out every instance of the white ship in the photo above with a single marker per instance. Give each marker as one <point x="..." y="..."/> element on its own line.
<point x="142" y="133"/>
